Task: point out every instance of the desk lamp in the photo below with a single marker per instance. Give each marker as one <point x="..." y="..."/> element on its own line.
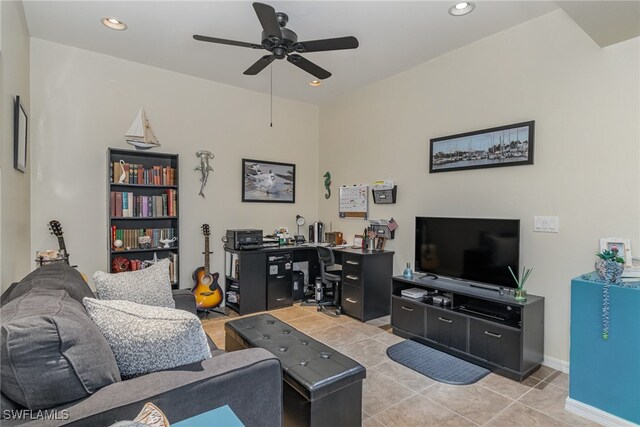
<point x="298" y="238"/>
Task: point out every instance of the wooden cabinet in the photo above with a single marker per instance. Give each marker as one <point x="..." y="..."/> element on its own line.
<point x="366" y="283"/>
<point x="142" y="200"/>
<point x="478" y="325"/>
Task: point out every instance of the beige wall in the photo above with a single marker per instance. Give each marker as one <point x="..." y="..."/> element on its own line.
<point x="586" y="104"/>
<point x="83" y="103"/>
<point x="15" y="250"/>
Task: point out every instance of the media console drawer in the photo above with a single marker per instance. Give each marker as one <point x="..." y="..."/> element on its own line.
<point x="495" y="343"/>
<point x="447" y="328"/>
<point x="408" y="315"/>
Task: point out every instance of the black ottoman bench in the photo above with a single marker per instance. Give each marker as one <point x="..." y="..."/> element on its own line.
<point x="321" y="386"/>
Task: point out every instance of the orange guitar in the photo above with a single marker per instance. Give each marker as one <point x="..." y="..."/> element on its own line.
<point x="206" y="289"/>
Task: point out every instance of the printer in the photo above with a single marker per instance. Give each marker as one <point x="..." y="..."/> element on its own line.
<point x="243" y="239"/>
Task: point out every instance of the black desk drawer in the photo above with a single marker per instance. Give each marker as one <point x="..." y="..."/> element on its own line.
<point x="351" y="262"/>
<point x="495" y="343"/>
<point x="352" y="301"/>
<point x="408" y="316"/>
<point x="353" y="278"/>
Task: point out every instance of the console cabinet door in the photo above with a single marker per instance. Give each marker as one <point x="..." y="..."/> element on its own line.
<point x="495" y="343"/>
<point x="408" y="316"/>
<point x="447" y="328"/>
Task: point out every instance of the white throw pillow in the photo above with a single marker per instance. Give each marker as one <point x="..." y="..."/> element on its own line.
<point x="151" y="286"/>
<point x="147" y="339"/>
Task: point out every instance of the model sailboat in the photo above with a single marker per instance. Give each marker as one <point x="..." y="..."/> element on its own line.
<point x="140" y="134"/>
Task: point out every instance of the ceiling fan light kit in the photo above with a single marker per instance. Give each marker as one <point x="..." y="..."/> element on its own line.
<point x="283" y="42"/>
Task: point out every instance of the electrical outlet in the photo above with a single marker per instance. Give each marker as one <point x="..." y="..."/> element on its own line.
<point x="546" y="224"/>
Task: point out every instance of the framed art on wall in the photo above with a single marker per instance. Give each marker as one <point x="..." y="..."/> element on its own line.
<point x="20" y="127"/>
<point x="265" y="181"/>
<point x="509" y="145"/>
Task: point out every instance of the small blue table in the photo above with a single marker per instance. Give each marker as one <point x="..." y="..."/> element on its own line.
<point x="219" y="417"/>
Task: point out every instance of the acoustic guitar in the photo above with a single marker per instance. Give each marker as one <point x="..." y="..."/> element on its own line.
<point x="207" y="291"/>
<point x="56" y="230"/>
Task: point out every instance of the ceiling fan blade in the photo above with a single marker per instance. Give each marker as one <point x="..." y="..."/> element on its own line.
<point x="308" y="66"/>
<point x="339" y="43"/>
<point x="225" y="41"/>
<point x="268" y="20"/>
<point x="259" y="65"/>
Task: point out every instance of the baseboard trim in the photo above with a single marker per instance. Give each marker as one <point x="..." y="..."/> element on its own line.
<point x="596" y="415"/>
<point x="557" y="364"/>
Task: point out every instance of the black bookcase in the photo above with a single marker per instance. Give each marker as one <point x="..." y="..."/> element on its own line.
<point x="163" y="181"/>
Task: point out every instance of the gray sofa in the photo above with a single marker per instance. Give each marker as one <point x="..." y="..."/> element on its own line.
<point x="249" y="381"/>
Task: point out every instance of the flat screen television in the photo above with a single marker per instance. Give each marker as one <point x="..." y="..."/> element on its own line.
<point x="476" y="250"/>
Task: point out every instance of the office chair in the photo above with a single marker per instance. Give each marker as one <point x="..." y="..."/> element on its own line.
<point x="327" y="283"/>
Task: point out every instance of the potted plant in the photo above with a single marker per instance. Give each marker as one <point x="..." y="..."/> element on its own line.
<point x="609" y="265"/>
<point x="520" y="294"/>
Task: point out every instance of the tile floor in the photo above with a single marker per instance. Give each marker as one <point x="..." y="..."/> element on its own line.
<point x="394" y="395"/>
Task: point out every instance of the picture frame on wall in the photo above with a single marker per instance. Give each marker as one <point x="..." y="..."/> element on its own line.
<point x="623" y="245"/>
<point x="510" y="145"/>
<point x="268" y="182"/>
<point x="20" y="136"/>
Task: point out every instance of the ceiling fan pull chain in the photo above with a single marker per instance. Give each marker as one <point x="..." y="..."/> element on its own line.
<point x="271" y="117"/>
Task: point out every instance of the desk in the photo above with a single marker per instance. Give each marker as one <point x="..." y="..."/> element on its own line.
<point x="366" y="278"/>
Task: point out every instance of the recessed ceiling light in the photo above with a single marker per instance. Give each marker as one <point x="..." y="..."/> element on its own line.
<point x="114" y="24"/>
<point x="315" y="83"/>
<point x="461" y="8"/>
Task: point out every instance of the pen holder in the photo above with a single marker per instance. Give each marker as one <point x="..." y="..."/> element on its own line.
<point x="370" y="244"/>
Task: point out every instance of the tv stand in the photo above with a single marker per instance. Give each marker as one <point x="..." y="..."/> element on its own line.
<point x="481" y="325"/>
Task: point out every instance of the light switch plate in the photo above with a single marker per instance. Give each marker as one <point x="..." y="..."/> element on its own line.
<point x="546" y="224"/>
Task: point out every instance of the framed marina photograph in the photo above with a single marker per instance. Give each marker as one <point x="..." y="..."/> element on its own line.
<point x="510" y="145"/>
<point x="265" y="181"/>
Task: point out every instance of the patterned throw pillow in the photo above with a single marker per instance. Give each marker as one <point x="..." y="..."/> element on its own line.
<point x="151" y="286"/>
<point x="147" y="339"/>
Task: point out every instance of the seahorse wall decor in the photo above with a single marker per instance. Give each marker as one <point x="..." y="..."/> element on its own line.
<point x="327" y="184"/>
<point x="204" y="168"/>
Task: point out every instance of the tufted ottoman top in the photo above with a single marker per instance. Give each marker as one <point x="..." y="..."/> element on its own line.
<point x="309" y="366"/>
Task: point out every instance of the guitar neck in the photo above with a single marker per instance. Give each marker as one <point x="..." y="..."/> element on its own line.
<point x="63" y="248"/>
<point x="206" y="254"/>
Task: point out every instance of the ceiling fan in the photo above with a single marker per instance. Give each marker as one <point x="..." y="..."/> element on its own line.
<point x="282" y="41"/>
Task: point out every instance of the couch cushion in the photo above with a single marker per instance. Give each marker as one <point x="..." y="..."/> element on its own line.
<point x="145" y="338"/>
<point x="151" y="286"/>
<point x="52" y="276"/>
<point x="51" y="352"/>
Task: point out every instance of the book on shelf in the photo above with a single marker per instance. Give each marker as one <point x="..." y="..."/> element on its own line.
<point x="138" y="174"/>
<point x="131" y="205"/>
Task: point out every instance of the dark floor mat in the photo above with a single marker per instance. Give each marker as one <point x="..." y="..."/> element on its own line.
<point x="435" y="364"/>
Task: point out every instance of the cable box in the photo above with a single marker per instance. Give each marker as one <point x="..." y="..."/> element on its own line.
<point x="415" y="293"/>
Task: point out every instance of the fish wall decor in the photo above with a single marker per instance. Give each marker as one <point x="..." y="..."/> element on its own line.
<point x="204" y="168"/>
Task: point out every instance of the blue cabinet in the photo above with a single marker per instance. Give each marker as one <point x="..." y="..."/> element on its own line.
<point x="605" y="374"/>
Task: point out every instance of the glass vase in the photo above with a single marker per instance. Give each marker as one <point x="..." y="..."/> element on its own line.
<point x="520" y="295"/>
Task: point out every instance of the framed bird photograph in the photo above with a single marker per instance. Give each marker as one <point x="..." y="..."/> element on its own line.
<point x="264" y="181"/>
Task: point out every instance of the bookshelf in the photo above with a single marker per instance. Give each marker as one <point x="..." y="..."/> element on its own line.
<point x="145" y="204"/>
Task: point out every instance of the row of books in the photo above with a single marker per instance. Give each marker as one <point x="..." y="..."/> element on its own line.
<point x="128" y="205"/>
<point x="128" y="173"/>
<point x="137" y="264"/>
<point x="232" y="265"/>
<point x="130" y="237"/>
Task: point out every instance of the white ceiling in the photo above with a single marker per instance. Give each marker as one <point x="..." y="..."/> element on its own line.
<point x="394" y="36"/>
